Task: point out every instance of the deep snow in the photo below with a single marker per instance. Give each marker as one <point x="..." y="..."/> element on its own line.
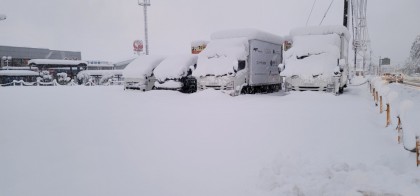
<point x="106" y="141"/>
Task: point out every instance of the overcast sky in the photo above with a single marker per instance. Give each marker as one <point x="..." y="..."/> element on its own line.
<point x="106" y="29"/>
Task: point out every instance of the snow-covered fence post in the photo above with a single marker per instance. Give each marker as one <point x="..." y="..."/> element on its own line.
<point x="381" y="108"/>
<point x="400" y="130"/>
<point x="388" y="115"/>
<point x="376" y="98"/>
<point x="418" y="150"/>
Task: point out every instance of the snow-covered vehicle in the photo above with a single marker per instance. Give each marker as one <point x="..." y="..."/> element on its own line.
<point x="139" y="73"/>
<point x="174" y="73"/>
<point x="240" y="61"/>
<point x="318" y="59"/>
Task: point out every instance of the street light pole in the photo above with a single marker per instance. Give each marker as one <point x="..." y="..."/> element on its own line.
<point x="145" y="3"/>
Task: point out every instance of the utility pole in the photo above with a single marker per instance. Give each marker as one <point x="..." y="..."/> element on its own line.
<point x="379" y="66"/>
<point x="346" y="13"/>
<point x="145" y="3"/>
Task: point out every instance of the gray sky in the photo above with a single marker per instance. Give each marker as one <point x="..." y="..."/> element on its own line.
<point x="105" y="29"/>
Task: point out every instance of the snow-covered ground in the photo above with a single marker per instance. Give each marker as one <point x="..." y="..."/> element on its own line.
<point x="106" y="141"/>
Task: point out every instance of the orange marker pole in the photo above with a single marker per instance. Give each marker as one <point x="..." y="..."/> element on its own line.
<point x="381" y="108"/>
<point x="388" y="115"/>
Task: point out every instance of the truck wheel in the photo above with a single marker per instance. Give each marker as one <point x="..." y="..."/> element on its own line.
<point x="192" y="89"/>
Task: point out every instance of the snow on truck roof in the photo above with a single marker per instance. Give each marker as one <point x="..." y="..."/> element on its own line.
<point x="321" y="30"/>
<point x="248" y="33"/>
<point x="142" y="66"/>
<point x="175" y="67"/>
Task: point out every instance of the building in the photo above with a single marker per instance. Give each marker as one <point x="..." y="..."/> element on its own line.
<point x="19" y="56"/>
<point x="99" y="65"/>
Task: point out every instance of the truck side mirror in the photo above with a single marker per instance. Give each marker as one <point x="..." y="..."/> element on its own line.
<point x="241" y="65"/>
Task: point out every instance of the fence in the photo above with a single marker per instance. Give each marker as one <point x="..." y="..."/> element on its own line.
<point x="378" y="97"/>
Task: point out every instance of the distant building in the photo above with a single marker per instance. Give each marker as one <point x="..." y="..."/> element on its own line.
<point x="19" y="56"/>
<point x="99" y="65"/>
<point x="386" y="61"/>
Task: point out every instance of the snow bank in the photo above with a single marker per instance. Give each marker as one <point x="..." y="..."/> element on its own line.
<point x="404" y="102"/>
<point x="175" y="67"/>
<point x="164" y="143"/>
<point x="55" y="62"/>
<point x="250" y="34"/>
<point x="321" y="30"/>
<point x="312" y="55"/>
<point x="142" y="66"/>
<point x="18" y="73"/>
<point x="221" y="57"/>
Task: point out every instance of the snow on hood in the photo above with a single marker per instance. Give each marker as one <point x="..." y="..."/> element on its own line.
<point x="321" y="30"/>
<point x="142" y="66"/>
<point x="248" y="33"/>
<point x="174" y="67"/>
<point x="170" y="84"/>
<point x="221" y="57"/>
<point x="312" y="55"/>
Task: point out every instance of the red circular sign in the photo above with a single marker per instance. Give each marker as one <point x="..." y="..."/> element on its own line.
<point x="138" y="45"/>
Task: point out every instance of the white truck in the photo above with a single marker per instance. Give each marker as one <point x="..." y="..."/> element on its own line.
<point x="240" y="61"/>
<point x="318" y="59"/>
<point x="139" y="73"/>
<point x="174" y="73"/>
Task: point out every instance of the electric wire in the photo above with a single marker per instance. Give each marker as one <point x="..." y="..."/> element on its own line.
<point x="310" y="14"/>
<point x="332" y="1"/>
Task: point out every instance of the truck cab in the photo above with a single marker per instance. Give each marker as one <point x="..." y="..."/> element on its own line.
<point x="174" y="73"/>
<point x="138" y="75"/>
<point x="318" y="59"/>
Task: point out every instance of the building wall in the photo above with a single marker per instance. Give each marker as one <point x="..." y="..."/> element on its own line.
<point x="21" y="55"/>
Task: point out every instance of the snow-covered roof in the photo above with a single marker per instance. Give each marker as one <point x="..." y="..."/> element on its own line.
<point x="18" y="73"/>
<point x="321" y="30"/>
<point x="248" y="33"/>
<point x="221" y="57"/>
<point x="18" y="68"/>
<point x="175" y="67"/>
<point x="125" y="61"/>
<point x="55" y="62"/>
<point x="142" y="66"/>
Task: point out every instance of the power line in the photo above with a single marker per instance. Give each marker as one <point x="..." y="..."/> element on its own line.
<point x="332" y="1"/>
<point x="310" y="14"/>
